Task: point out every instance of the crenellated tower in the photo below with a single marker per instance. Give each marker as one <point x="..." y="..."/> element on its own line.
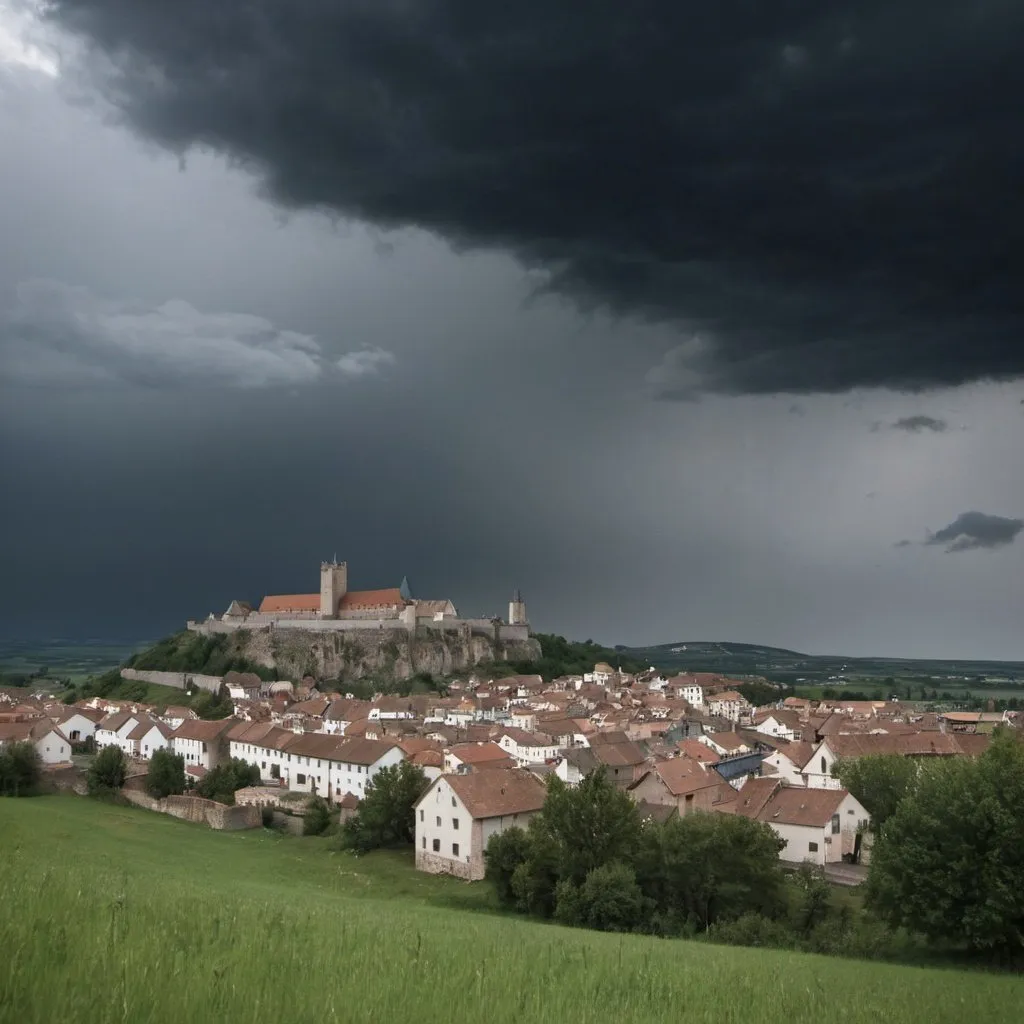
<point x="333" y="587"/>
<point x="517" y="610"/>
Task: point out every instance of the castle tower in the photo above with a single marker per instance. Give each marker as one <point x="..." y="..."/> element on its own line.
<point x="517" y="610"/>
<point x="333" y="586"/>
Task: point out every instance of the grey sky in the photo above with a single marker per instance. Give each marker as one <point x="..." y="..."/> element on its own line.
<point x="201" y="396"/>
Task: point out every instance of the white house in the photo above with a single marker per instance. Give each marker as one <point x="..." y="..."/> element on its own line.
<point x="527" y="748"/>
<point x="77" y="724"/>
<point x="729" y="704"/>
<point x="779" y="725"/>
<point x="203" y="743"/>
<point x="688" y="689"/>
<point x="458" y="814"/>
<point x="819" y="825"/>
<point x="788" y="762"/>
<point x="114" y="730"/>
<point x="149" y="736"/>
<point x="175" y="715"/>
<point x="357" y="761"/>
<point x="51" y="744"/>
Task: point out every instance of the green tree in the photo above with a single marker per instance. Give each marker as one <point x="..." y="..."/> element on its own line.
<point x="609" y="900"/>
<point x="815" y="895"/>
<point x="879" y="782"/>
<point x="504" y="853"/>
<point x="107" y="771"/>
<point x="21" y="769"/>
<point x="949" y="862"/>
<point x="317" y="819"/>
<point x="166" y="775"/>
<point x="590" y="825"/>
<point x="386" y="814"/>
<point x="220" y="783"/>
<point x="704" y="868"/>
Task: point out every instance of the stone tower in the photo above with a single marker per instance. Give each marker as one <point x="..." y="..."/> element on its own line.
<point x="517" y="610"/>
<point x="333" y="586"/>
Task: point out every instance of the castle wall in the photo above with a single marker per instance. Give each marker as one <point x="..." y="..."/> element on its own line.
<point x="477" y="627"/>
<point x="179" y="679"/>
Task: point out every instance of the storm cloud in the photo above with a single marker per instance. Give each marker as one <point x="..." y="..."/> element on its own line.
<point x="917" y="424"/>
<point x="826" y="196"/>
<point x="55" y="334"/>
<point x="973" y="530"/>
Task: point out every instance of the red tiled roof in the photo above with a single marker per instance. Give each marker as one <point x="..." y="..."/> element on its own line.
<point x="795" y="805"/>
<point x="386" y="598"/>
<point x="684" y="775"/>
<point x="497" y="793"/>
<point x="475" y="753"/>
<point x="290" y="603"/>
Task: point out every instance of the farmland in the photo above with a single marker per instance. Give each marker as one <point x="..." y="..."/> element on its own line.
<point x="114" y="913"/>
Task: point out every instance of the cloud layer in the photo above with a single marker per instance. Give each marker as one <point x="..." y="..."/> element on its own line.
<point x="973" y="530"/>
<point x="827" y="193"/>
<point x="917" y="424"/>
<point x="56" y="334"/>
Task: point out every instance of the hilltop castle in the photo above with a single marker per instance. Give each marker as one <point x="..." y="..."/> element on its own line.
<point x="336" y="607"/>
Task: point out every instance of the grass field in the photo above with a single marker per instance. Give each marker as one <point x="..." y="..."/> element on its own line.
<point x="116" y="914"/>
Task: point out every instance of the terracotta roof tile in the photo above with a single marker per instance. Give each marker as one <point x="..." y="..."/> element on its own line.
<point x="290" y="603"/>
<point x="498" y="793"/>
<point x="795" y="805"/>
<point x="355" y="599"/>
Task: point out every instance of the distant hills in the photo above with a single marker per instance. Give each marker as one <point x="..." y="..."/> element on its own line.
<point x="784" y="665"/>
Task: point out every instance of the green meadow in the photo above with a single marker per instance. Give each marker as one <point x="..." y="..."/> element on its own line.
<point x="117" y="914"/>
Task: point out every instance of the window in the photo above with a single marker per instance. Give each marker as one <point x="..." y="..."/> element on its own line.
<point x="812" y="847"/>
<point x="439" y="821"/>
<point x="421" y="814"/>
<point x="453" y="802"/>
<point x="424" y="842"/>
<point x="850" y="811"/>
<point x="835" y="824"/>
<point x="455" y="824"/>
<point x="455" y="849"/>
<point x="300" y="779"/>
<point x="263" y="764"/>
<point x="437" y="846"/>
<point x="824" y="767"/>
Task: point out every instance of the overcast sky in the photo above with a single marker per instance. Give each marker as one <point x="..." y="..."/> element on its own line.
<point x="691" y="322"/>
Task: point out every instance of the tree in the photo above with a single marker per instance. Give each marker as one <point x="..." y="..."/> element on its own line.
<point x="21" y="769"/>
<point x="609" y="900"/>
<point x="386" y="815"/>
<point x="705" y="867"/>
<point x="949" y="862"/>
<point x="107" y="771"/>
<point x="815" y="896"/>
<point x="879" y="782"/>
<point x="221" y="782"/>
<point x="504" y="853"/>
<point x="166" y="774"/>
<point x="317" y="819"/>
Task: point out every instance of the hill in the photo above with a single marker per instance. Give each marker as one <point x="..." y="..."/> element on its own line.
<point x="115" y="913"/>
<point x="782" y="665"/>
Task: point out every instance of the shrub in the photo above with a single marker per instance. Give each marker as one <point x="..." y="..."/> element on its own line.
<point x="21" y="769"/>
<point x="386" y="815"/>
<point x="166" y="774"/>
<point x="317" y="819"/>
<point x="107" y="771"/>
<point x="221" y="782"/>
<point x="610" y="900"/>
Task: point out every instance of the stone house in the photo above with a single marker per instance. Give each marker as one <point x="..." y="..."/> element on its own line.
<point x="683" y="783"/>
<point x="458" y="814"/>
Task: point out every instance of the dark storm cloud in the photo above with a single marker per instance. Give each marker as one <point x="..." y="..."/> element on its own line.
<point x="820" y="196"/>
<point x="915" y="424"/>
<point x="972" y="530"/>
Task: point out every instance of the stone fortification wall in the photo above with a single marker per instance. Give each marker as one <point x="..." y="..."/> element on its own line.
<point x="182" y="680"/>
<point x="194" y="808"/>
<point x="447" y="627"/>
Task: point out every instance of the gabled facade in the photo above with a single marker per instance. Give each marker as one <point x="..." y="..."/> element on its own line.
<point x="458" y="814"/>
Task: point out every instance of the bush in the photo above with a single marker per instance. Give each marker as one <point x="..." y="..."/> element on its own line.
<point x="317" y="819"/>
<point x="752" y="929"/>
<point x="386" y="815"/>
<point x="107" y="771"/>
<point x="21" y="769"/>
<point x="221" y="782"/>
<point x="166" y="774"/>
<point x="610" y="900"/>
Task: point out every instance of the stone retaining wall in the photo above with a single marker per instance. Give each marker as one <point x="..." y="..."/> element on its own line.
<point x="195" y="808"/>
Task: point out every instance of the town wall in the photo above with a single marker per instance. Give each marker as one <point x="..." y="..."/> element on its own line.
<point x="181" y="680"/>
<point x="204" y="812"/>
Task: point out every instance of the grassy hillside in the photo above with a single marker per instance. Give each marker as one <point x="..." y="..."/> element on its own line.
<point x="117" y="914"/>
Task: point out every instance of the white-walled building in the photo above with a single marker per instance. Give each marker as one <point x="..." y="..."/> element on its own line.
<point x="729" y="704"/>
<point x="51" y="744"/>
<point x="203" y="743"/>
<point x="149" y="736"/>
<point x="788" y="762"/>
<point x="114" y="730"/>
<point x="819" y="825"/>
<point x="527" y="748"/>
<point x="357" y="761"/>
<point x="458" y="814"/>
<point x="77" y="724"/>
